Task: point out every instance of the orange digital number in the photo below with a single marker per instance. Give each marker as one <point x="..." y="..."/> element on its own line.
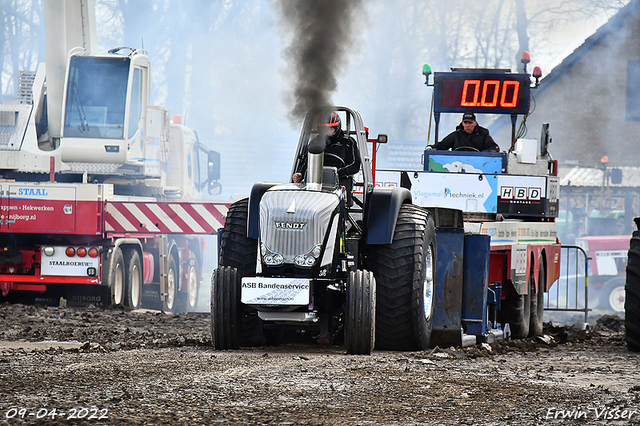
<point x="486" y="93"/>
<point x="475" y="84"/>
<point x="512" y="103"/>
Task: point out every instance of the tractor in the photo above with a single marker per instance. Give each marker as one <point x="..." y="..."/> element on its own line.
<point x="310" y="257"/>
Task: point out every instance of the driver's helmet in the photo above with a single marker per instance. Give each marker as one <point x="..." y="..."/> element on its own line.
<point x="331" y="123"/>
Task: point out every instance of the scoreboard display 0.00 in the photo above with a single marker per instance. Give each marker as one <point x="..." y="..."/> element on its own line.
<point x="491" y="93"/>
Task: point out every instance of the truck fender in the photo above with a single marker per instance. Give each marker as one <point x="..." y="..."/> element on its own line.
<point x="253" y="218"/>
<point x="382" y="213"/>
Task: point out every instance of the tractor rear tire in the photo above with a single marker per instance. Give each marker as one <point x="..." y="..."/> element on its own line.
<point x="241" y="252"/>
<point x="405" y="272"/>
<point x="536" y="325"/>
<point x="360" y="323"/>
<point x="632" y="297"/>
<point x="236" y="249"/>
<point x="225" y="308"/>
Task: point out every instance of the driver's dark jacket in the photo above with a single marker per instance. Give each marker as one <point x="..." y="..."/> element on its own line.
<point x="341" y="146"/>
<point x="478" y="139"/>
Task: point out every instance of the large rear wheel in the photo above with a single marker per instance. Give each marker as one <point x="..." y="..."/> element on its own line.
<point x="360" y="313"/>
<point x="236" y="249"/>
<point x="632" y="297"/>
<point x="405" y="273"/>
<point x="225" y="305"/>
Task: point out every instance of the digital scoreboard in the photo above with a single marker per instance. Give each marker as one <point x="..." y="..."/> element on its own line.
<point x="481" y="92"/>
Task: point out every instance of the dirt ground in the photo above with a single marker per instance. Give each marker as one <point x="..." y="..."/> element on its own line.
<point x="94" y="366"/>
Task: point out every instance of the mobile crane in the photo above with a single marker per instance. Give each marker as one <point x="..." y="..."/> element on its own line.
<point x="101" y="191"/>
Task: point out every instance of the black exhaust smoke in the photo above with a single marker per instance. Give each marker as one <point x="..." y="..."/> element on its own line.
<point x="321" y="33"/>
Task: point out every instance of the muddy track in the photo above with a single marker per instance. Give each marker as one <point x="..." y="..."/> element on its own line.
<point x="152" y="368"/>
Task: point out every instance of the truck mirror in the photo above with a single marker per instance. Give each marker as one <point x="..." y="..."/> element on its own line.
<point x="213" y="166"/>
<point x="215" y="188"/>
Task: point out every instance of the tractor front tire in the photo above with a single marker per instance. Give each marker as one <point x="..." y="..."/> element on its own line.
<point x="405" y="272"/>
<point x="241" y="252"/>
<point x="632" y="296"/>
<point x="225" y="305"/>
<point x="360" y="323"/>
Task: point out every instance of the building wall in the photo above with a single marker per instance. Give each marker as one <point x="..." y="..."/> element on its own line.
<point x="585" y="103"/>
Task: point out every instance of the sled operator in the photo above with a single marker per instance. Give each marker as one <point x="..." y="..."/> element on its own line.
<point x="468" y="134"/>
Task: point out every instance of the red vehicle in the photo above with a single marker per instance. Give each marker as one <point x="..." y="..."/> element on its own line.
<point x="607" y="270"/>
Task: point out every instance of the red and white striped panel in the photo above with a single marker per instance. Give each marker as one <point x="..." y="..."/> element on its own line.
<point x="165" y="218"/>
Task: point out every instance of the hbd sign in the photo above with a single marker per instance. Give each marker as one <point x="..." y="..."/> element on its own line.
<point x="515" y="193"/>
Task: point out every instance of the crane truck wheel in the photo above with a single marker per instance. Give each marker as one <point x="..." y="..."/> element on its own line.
<point x="191" y="302"/>
<point x="116" y="279"/>
<point x="240" y="252"/>
<point x="632" y="297"/>
<point x="225" y="308"/>
<point x="405" y="271"/>
<point x="536" y="325"/>
<point x="171" y="299"/>
<point x="133" y="279"/>
<point x="360" y="321"/>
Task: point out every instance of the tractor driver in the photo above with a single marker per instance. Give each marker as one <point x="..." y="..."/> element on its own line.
<point x="340" y="152"/>
<point x="470" y="135"/>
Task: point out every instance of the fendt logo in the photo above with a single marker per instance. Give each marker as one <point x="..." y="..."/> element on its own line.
<point x="291" y="225"/>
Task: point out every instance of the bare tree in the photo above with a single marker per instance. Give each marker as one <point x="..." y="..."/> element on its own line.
<point x="21" y="42"/>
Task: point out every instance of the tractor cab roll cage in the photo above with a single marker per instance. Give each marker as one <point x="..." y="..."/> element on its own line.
<point x="352" y="126"/>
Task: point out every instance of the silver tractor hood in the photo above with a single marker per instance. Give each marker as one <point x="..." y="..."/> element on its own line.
<point x="294" y="224"/>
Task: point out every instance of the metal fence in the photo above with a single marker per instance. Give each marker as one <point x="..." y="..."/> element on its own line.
<point x="571" y="292"/>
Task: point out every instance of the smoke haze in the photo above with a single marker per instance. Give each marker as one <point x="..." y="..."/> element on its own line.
<point x="320" y="34"/>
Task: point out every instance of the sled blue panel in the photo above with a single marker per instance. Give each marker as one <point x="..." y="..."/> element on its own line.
<point x="448" y="288"/>
<point x="476" y="275"/>
<point x="465" y="162"/>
